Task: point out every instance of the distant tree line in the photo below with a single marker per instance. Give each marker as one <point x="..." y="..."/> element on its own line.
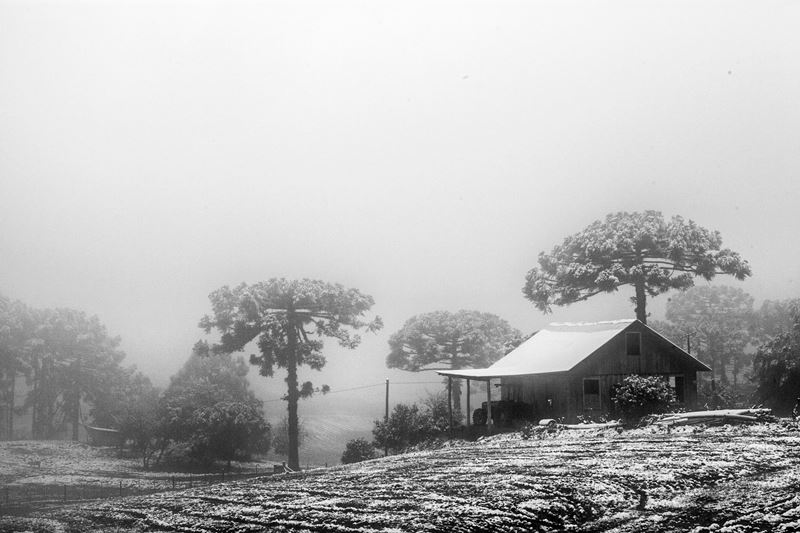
<point x="73" y="373"/>
<point x="721" y="327"/>
<point x="68" y="361"/>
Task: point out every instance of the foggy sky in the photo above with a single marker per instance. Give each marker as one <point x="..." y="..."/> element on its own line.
<point x="422" y="152"/>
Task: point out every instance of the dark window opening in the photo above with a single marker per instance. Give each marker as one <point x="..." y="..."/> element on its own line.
<point x="633" y="343"/>
<point x="591" y="393"/>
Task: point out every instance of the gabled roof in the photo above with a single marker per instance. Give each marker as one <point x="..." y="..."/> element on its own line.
<point x="556" y="348"/>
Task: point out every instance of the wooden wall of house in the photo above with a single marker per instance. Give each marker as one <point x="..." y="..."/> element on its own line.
<point x="658" y="356"/>
<point x="607" y="383"/>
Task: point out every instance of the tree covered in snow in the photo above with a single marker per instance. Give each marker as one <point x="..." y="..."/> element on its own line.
<point x="71" y="364"/>
<point x="775" y="317"/>
<point x="720" y="323"/>
<point x="358" y="450"/>
<point x="16" y="335"/>
<point x="441" y="339"/>
<point x="73" y="361"/>
<point x="210" y="407"/>
<point x="138" y="415"/>
<point x="287" y="319"/>
<point x="776" y="367"/>
<point x="639" y="249"/>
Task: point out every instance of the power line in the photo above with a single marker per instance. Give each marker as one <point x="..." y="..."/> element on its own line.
<point x="369" y="387"/>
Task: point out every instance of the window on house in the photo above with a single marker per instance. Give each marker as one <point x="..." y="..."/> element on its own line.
<point x="633" y="343"/>
<point x="591" y="393"/>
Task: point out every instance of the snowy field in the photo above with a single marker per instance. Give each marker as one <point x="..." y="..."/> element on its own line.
<point x="729" y="478"/>
<point x="43" y="474"/>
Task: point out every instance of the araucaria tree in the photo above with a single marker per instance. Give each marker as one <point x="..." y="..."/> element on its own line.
<point x="287" y="319"/>
<point x="638" y="249"/>
<point x="465" y="339"/>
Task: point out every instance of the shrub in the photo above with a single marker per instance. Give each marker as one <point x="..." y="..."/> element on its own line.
<point x="638" y="396"/>
<point x="358" y="450"/>
<point x="407" y="426"/>
<point x="437" y="411"/>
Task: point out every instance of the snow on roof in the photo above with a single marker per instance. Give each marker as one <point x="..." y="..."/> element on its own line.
<point x="556" y="348"/>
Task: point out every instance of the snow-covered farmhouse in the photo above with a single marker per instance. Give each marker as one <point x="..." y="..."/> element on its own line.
<point x="570" y="370"/>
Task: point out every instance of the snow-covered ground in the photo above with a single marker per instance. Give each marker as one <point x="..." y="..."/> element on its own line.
<point x="730" y="478"/>
<point x="58" y="462"/>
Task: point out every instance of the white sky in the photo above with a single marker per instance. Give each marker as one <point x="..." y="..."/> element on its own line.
<point x="423" y="152"/>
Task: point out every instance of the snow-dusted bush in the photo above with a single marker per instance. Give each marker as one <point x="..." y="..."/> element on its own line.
<point x="638" y="396"/>
<point x="358" y="450"/>
<point x="407" y="426"/>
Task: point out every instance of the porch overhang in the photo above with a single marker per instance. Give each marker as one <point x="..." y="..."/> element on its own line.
<point x="483" y="374"/>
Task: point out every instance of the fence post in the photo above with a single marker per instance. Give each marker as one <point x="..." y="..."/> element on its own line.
<point x="65" y="493"/>
<point x="120" y="488"/>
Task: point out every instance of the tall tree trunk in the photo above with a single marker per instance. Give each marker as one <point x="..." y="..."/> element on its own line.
<point x="293" y="394"/>
<point x="641" y="301"/>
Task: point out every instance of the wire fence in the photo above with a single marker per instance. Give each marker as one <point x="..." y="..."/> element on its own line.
<point x="18" y="499"/>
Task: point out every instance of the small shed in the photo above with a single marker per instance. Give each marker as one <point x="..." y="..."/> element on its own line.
<point x="570" y="369"/>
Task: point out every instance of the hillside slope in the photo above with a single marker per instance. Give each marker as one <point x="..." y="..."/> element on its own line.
<point x="745" y="478"/>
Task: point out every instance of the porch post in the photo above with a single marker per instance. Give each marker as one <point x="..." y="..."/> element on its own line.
<point x="450" y="403"/>
<point x="469" y="413"/>
<point x="489" y="405"/>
